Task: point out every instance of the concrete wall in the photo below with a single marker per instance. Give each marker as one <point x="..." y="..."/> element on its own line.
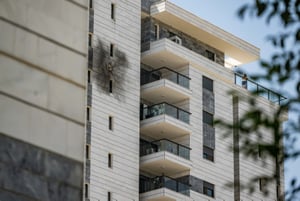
<point x="122" y="180"/>
<point x="42" y="93"/>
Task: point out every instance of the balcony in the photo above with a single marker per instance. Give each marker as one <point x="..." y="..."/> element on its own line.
<point x="192" y="25"/>
<point x="258" y="89"/>
<point x="163" y="188"/>
<point x="165" y="145"/>
<point x="164" y="121"/>
<point x="165" y="85"/>
<point x="164" y="157"/>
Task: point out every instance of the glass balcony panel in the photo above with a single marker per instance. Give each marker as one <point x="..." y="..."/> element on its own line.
<point x="148" y="184"/>
<point x="184" y="189"/>
<point x="170" y="184"/>
<point x="164" y="73"/>
<point x="184" y="116"/>
<point x="164" y="145"/>
<point x="184" y="152"/>
<point x="184" y="81"/>
<point x="171" y="111"/>
<point x="165" y="108"/>
<point x="260" y="90"/>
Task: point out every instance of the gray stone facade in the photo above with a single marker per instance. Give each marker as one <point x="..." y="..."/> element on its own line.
<point x="30" y="173"/>
<point x="165" y="31"/>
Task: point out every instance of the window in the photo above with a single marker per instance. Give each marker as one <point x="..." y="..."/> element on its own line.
<point x="91" y="4"/>
<point x="208" y="153"/>
<point x="262" y="184"/>
<point x="87" y="151"/>
<point x="89" y="76"/>
<point x="207" y="83"/>
<point x="112" y="7"/>
<point x="208" y="118"/>
<point x="110" y="123"/>
<point x="110" y="86"/>
<point x="108" y="196"/>
<point x="90" y="55"/>
<point x="88" y="114"/>
<point x="111" y="50"/>
<point x="208" y="189"/>
<point x="90" y="39"/>
<point x="156" y="31"/>
<point x="86" y="190"/>
<point x="210" y="55"/>
<point x="110" y="160"/>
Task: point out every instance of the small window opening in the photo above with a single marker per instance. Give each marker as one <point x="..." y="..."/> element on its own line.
<point x="208" y="118"/>
<point x="111" y="50"/>
<point x="89" y="76"/>
<point x="90" y="39"/>
<point x="88" y="114"/>
<point x="110" y="86"/>
<point x="110" y="160"/>
<point x="91" y="4"/>
<point x="207" y="83"/>
<point x="86" y="190"/>
<point x="112" y="11"/>
<point x="210" y="55"/>
<point x="110" y="123"/>
<point x="87" y="151"/>
<point x="108" y="196"/>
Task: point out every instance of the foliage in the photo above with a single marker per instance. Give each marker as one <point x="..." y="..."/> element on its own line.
<point x="283" y="67"/>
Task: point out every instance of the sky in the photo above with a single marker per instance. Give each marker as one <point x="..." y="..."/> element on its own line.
<point x="222" y="13"/>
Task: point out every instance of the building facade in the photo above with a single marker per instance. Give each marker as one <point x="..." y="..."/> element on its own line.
<point x="43" y="69"/>
<point x="115" y="100"/>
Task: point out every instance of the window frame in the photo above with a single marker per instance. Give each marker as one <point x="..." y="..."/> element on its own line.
<point x="113" y="11"/>
<point x="208" y="153"/>
<point x="207" y="83"/>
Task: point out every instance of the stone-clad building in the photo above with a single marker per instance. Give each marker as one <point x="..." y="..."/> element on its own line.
<point x="115" y="100"/>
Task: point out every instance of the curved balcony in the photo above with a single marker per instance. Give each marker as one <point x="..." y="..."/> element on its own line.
<point x="163" y="188"/>
<point x="164" y="121"/>
<point x="258" y="89"/>
<point x="164" y="157"/>
<point x="164" y="84"/>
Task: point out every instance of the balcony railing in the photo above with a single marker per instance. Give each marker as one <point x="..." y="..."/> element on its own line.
<point x="165" y="108"/>
<point x="164" y="145"/>
<point x="258" y="89"/>
<point x="149" y="184"/>
<point x="165" y="73"/>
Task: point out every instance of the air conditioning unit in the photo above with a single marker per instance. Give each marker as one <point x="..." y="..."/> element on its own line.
<point x="176" y="39"/>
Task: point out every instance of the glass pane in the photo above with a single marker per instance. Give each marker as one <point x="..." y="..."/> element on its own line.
<point x="184" y="116"/>
<point x="184" y="81"/>
<point x="170" y="184"/>
<point x="170" y="110"/>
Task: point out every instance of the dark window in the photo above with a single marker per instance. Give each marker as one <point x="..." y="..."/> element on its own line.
<point x="262" y="184"/>
<point x="207" y="83"/>
<point x="112" y="11"/>
<point x="108" y="196"/>
<point x="91" y="56"/>
<point x="88" y="113"/>
<point x="110" y="160"/>
<point x="208" y="153"/>
<point x="208" y="189"/>
<point x="210" y="55"/>
<point x="110" y="123"/>
<point x="111" y="50"/>
<point x="89" y="76"/>
<point x="91" y="4"/>
<point x="90" y="39"/>
<point x="87" y="151"/>
<point x="208" y="118"/>
<point x="110" y="86"/>
<point x="86" y="190"/>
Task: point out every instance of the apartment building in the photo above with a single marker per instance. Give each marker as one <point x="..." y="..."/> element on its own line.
<point x="114" y="100"/>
